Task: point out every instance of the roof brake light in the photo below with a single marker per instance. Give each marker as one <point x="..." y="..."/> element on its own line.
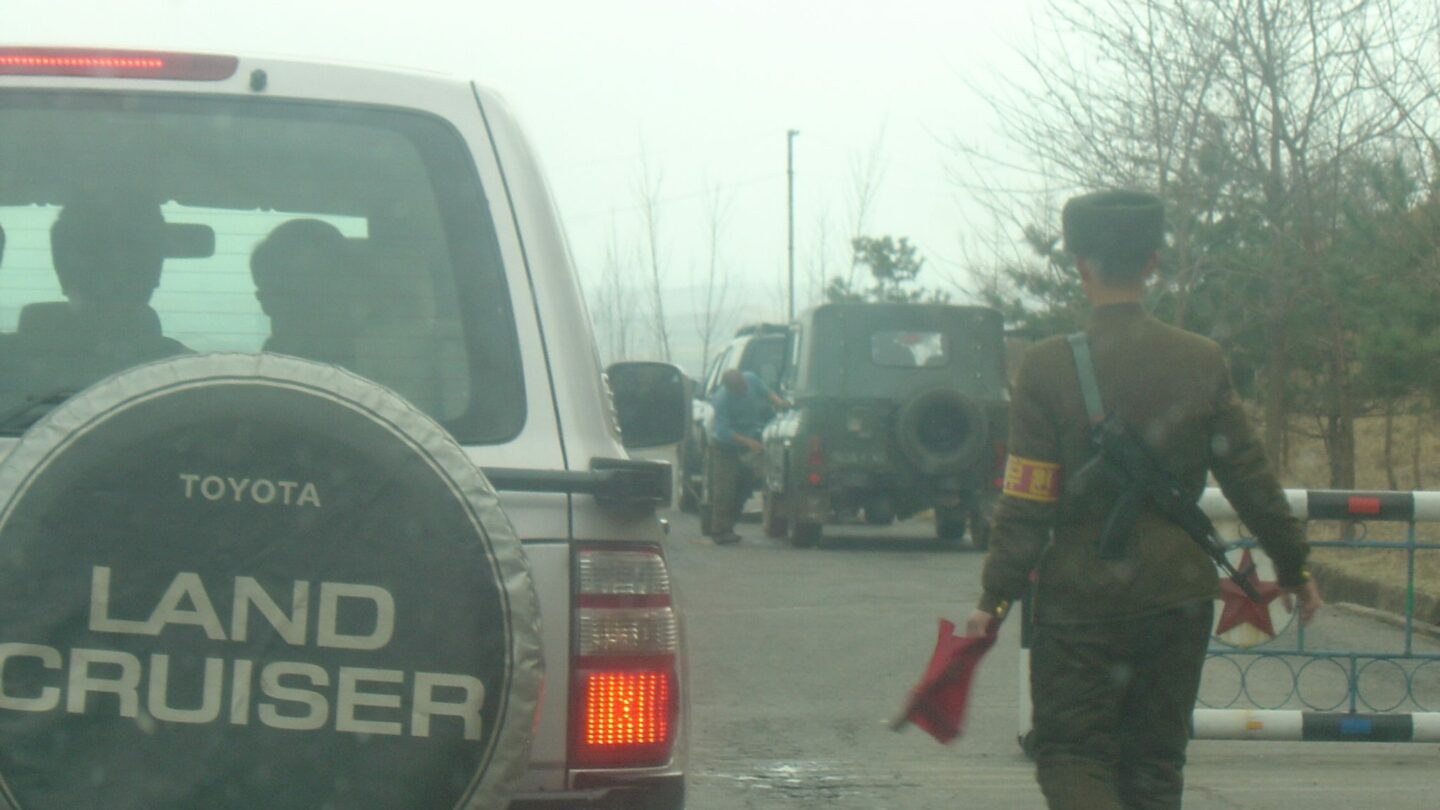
<point x="116" y="64"/>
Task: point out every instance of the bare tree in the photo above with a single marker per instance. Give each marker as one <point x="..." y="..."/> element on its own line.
<point x="1247" y="116"/>
<point x="867" y="173"/>
<point x="817" y="269"/>
<point x="713" y="289"/>
<point x="614" y="313"/>
<point x="647" y="193"/>
<point x="1299" y="79"/>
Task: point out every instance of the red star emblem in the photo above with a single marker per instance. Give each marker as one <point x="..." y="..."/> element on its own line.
<point x="1239" y="609"/>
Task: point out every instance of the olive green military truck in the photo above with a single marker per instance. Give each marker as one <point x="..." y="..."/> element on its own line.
<point x="899" y="408"/>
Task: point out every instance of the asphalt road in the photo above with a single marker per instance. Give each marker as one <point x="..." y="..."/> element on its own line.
<point x="799" y="656"/>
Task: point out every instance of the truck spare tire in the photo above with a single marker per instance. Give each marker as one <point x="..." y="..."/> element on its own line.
<point x="941" y="431"/>
<point x="253" y="581"/>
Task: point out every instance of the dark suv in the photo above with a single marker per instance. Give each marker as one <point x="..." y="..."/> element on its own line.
<point x="898" y="408"/>
<point x="760" y="348"/>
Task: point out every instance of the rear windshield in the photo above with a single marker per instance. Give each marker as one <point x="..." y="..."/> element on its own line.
<point x="765" y="358"/>
<point x="137" y="228"/>
<point x="889" y="351"/>
<point x="908" y="349"/>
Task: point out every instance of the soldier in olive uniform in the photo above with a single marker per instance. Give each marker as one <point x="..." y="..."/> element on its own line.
<point x="1119" y="643"/>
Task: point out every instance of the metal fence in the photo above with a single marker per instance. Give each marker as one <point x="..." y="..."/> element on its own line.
<point x="1298" y="686"/>
<point x="1287" y="682"/>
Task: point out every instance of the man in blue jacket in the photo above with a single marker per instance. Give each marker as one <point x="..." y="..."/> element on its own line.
<point x="742" y="406"/>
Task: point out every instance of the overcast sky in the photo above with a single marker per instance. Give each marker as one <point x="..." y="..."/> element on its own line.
<point x="702" y="90"/>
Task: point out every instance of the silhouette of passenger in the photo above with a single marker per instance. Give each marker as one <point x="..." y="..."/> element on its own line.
<point x="300" y="273"/>
<point x="107" y="256"/>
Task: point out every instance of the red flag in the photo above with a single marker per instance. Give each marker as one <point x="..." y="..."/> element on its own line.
<point x="937" y="703"/>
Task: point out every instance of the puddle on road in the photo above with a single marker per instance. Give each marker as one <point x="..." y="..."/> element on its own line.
<point x="808" y="779"/>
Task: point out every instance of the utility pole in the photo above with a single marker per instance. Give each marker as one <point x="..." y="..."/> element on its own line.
<point x="790" y="212"/>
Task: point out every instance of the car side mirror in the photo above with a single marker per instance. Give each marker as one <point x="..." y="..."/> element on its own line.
<point x="651" y="402"/>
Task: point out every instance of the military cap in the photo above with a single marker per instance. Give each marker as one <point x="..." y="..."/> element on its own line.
<point x="1113" y="223"/>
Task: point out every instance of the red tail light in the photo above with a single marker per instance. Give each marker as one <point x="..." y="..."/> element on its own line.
<point x="626" y="708"/>
<point x="115" y="64"/>
<point x="625" y="691"/>
<point x="626" y="713"/>
<point x="815" y="461"/>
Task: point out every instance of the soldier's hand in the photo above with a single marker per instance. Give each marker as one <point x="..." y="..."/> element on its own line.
<point x="978" y="623"/>
<point x="1308" y="595"/>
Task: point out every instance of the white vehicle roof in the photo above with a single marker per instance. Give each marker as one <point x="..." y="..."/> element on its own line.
<point x="563" y="380"/>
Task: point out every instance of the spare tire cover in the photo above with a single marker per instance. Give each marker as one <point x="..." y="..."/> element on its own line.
<point x="253" y="581"/>
<point x="941" y="431"/>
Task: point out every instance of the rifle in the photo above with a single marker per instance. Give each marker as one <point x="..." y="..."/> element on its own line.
<point x="1126" y="459"/>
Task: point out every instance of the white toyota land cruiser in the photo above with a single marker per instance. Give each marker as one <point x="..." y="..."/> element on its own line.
<point x="263" y="326"/>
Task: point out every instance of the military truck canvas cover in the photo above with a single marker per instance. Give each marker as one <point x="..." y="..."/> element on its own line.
<point x="892" y="350"/>
<point x="251" y="581"/>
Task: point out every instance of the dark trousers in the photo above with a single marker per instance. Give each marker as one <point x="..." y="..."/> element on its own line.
<point x="731" y="482"/>
<point x="1113" y="704"/>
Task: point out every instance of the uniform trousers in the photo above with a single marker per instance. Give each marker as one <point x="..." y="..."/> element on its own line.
<point x="1113" y="703"/>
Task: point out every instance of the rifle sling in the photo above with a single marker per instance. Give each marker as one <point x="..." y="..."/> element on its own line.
<point x="1085" y="370"/>
<point x="1120" y="522"/>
